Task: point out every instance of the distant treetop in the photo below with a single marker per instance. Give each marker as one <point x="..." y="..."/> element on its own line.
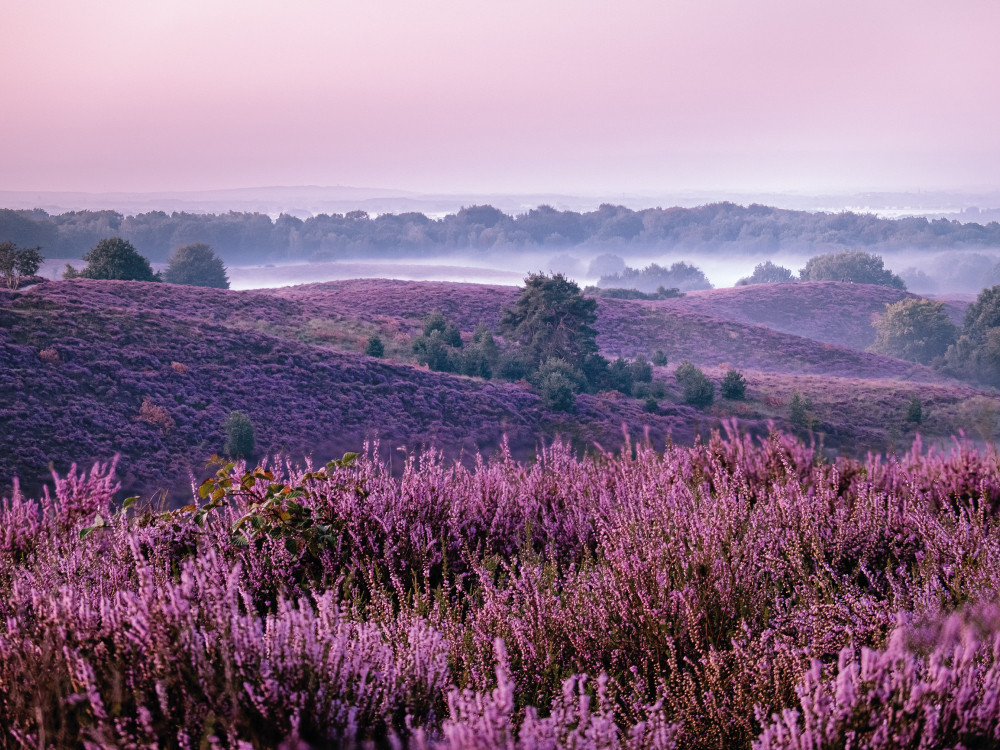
<point x="608" y="230"/>
<point x="196" y="265"/>
<point x="767" y="273"/>
<point x="116" y="259"/>
<point x="855" y="266"/>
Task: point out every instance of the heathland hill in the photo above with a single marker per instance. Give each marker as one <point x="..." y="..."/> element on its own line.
<point x="150" y="371"/>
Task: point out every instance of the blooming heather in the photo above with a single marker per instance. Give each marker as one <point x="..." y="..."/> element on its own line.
<point x="736" y="593"/>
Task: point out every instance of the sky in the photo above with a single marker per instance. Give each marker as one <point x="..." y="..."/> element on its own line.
<point x="577" y="96"/>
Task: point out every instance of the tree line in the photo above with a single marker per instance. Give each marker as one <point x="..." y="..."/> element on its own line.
<point x="244" y="237"/>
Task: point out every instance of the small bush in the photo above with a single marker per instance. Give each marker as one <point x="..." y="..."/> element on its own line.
<point x="698" y="389"/>
<point x="557" y="392"/>
<point x="914" y="411"/>
<point x="375" y="347"/>
<point x="239" y="435"/>
<point x="799" y="411"/>
<point x="435" y="352"/>
<point x="651" y="405"/>
<point x="619" y="377"/>
<point x="734" y="386"/>
<point x="659" y="358"/>
<point x="49" y="356"/>
<point x="449" y="332"/>
<point x="642" y="370"/>
<point x="151" y="413"/>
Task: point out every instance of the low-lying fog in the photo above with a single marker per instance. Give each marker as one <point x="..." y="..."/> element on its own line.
<point x="925" y="272"/>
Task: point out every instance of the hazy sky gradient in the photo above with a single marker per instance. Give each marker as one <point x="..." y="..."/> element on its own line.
<point x="576" y="96"/>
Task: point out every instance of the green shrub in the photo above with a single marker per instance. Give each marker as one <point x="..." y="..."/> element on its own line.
<point x="850" y="265"/>
<point x="698" y="389"/>
<point x="619" y="377"/>
<point x="449" y="332"/>
<point x="196" y="265"/>
<point x="659" y="358"/>
<point x="116" y="259"/>
<point x="734" y="386"/>
<point x="642" y="370"/>
<point x="915" y="329"/>
<point x="914" y="411"/>
<point x="375" y="347"/>
<point x="18" y="262"/>
<point x="799" y="411"/>
<point x="239" y="435"/>
<point x="432" y="350"/>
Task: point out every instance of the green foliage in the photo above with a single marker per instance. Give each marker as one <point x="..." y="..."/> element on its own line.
<point x="439" y="346"/>
<point x="552" y="319"/>
<point x="850" y="265"/>
<point x="239" y="435"/>
<point x="651" y="405"/>
<point x="18" y="262"/>
<point x="659" y="358"/>
<point x="619" y="293"/>
<point x="698" y="389"/>
<point x="800" y="411"/>
<point x="513" y="364"/>
<point x="556" y="384"/>
<point x="680" y="277"/>
<point x="116" y="259"/>
<point x="915" y="329"/>
<point x="656" y="389"/>
<point x="278" y="511"/>
<point x="641" y="369"/>
<point x="914" y="411"/>
<point x="619" y="376"/>
<point x="196" y="265"/>
<point x="432" y="350"/>
<point x="976" y="353"/>
<point x="734" y="385"/>
<point x="767" y="273"/>
<point x="449" y="333"/>
<point x="374" y="346"/>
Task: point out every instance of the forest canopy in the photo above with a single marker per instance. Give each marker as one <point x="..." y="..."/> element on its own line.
<point x="715" y="227"/>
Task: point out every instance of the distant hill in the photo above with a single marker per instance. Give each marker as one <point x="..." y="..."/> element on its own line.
<point x="827" y="311"/>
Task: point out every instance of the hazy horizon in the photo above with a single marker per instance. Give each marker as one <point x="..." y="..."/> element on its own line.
<point x="561" y="97"/>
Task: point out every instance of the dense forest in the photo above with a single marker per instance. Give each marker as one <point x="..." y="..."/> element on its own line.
<point x="242" y="237"/>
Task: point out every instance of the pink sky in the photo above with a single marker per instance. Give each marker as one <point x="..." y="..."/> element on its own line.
<point x="577" y="96"/>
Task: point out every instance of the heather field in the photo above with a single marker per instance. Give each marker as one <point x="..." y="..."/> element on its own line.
<point x="738" y="593"/>
<point x="94" y="369"/>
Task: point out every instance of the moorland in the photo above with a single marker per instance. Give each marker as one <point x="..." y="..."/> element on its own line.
<point x="740" y="517"/>
<point x="149" y="371"/>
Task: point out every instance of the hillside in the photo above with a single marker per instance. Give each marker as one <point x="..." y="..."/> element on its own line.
<point x="828" y="311"/>
<point x="92" y="368"/>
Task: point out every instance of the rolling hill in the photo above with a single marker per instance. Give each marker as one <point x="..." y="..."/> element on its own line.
<point x="150" y="371"/>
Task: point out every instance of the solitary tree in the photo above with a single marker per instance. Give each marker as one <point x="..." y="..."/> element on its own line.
<point x="698" y="389"/>
<point x="767" y="273"/>
<point x="552" y="319"/>
<point x="976" y="353"/>
<point x="850" y="265"/>
<point x="18" y="262"/>
<point x="114" y="258"/>
<point x="239" y="435"/>
<point x="734" y="385"/>
<point x="374" y="347"/>
<point x="196" y="265"/>
<point x="915" y="329"/>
